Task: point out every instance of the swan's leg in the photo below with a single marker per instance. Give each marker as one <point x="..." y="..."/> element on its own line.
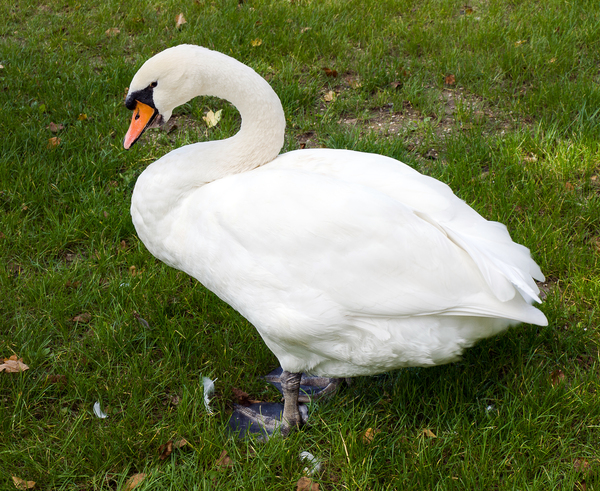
<point x="290" y="385"/>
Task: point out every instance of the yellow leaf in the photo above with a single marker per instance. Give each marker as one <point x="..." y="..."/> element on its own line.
<point x="82" y="117"/>
<point x="256" y="42"/>
<point x="179" y="20"/>
<point x="133" y="481"/>
<point x="13" y="365"/>
<point x="212" y="119"/>
<point x="330" y="96"/>
<point x="22" y="484"/>
<point x="429" y="433"/>
<point x="369" y="435"/>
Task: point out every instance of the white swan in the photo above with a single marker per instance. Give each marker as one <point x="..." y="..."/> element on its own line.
<point x="347" y="263"/>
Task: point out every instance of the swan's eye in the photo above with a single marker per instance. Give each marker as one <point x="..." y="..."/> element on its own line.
<point x="153" y="84"/>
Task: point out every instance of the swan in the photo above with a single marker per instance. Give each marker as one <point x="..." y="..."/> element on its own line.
<point x="347" y="263"/>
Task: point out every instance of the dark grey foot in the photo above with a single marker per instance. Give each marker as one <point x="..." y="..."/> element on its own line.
<point x="263" y="419"/>
<point x="311" y="388"/>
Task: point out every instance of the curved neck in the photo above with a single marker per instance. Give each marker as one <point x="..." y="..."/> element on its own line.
<point x="164" y="185"/>
<point x="261" y="135"/>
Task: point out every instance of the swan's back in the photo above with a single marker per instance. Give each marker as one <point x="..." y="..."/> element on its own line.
<point x="350" y="263"/>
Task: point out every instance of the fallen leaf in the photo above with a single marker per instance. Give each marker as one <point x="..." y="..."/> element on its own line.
<point x="552" y="60"/>
<point x="397" y="85"/>
<point x="256" y="42"/>
<point x="13" y="365"/>
<point x="182" y="442"/>
<point x="581" y="465"/>
<point x="113" y="31"/>
<point x="72" y="284"/>
<point x="329" y="72"/>
<point x="53" y="142"/>
<point x="22" y="484"/>
<point x="165" y="450"/>
<point x="133" y="481"/>
<point x="242" y="397"/>
<point x="450" y="79"/>
<point x="212" y="119"/>
<point x="60" y="380"/>
<point x="519" y="43"/>
<point x="369" y="434"/>
<point x="82" y="117"/>
<point x="569" y="186"/>
<point x="83" y="318"/>
<point x="304" y="29"/>
<point x="53" y="127"/>
<point x="306" y="484"/>
<point x="124" y="246"/>
<point x="557" y="377"/>
<point x="330" y="96"/>
<point x="224" y="461"/>
<point x="429" y="433"/>
<point x="180" y="20"/>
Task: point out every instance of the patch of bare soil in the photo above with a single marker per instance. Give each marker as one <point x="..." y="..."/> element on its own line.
<point x="458" y="110"/>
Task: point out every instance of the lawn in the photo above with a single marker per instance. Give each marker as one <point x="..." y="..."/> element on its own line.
<point x="499" y="99"/>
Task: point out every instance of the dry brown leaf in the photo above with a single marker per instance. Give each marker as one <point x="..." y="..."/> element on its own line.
<point x="180" y="20"/>
<point x="330" y="96"/>
<point x="53" y="142"/>
<point x="256" y="42"/>
<point x="13" y="365"/>
<point x="556" y="377"/>
<point x="224" y="461"/>
<point x="113" y="31"/>
<point x="60" y="380"/>
<point x="304" y="29"/>
<point x="165" y="450"/>
<point x="182" y="442"/>
<point x="83" y="318"/>
<point x="22" y="484"/>
<point x="133" y="481"/>
<point x="330" y="72"/>
<point x="242" y="397"/>
<point x="369" y="435"/>
<point x="53" y="127"/>
<point x="450" y="79"/>
<point x="569" y="186"/>
<point x="429" y="433"/>
<point x="306" y="484"/>
<point x="581" y="465"/>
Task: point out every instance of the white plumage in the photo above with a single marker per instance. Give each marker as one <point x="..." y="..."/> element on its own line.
<point x="347" y="263"/>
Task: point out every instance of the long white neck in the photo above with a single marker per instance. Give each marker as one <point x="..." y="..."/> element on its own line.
<point x="199" y="71"/>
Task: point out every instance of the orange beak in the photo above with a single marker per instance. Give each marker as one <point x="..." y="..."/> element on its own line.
<point x="143" y="117"/>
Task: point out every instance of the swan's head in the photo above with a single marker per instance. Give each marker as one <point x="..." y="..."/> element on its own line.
<point x="164" y="82"/>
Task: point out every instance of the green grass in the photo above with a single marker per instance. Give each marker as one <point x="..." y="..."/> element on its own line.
<point x="516" y="136"/>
